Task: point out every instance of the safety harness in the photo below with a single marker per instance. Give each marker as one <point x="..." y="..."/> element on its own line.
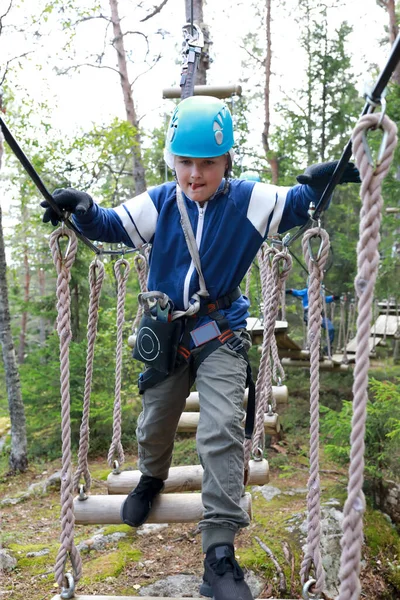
<point x="208" y="337"/>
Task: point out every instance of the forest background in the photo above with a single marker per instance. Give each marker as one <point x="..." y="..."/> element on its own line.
<point x="82" y="92"/>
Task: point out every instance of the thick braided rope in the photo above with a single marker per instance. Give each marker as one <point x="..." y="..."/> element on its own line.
<point x="141" y="266"/>
<point x="367" y="267"/>
<point x="63" y="266"/>
<point x="256" y="444"/>
<point x="121" y="270"/>
<point x="312" y="557"/>
<point x="274" y="283"/>
<point x="96" y="278"/>
<point x="276" y="367"/>
<point x="264" y="256"/>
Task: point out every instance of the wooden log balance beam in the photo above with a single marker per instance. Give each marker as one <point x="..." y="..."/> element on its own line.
<point x="167" y="508"/>
<point x="279" y="392"/>
<point x="189" y="421"/>
<point x="220" y="91"/>
<point x="182" y="479"/>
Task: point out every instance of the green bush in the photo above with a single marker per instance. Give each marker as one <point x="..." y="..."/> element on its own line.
<point x="382" y="436"/>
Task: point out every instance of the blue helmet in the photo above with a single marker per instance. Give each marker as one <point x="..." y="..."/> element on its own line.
<point x="200" y="127"/>
<point x="250" y="176"/>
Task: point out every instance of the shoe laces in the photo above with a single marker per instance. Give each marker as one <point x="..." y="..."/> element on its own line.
<point x="145" y="487"/>
<point x="228" y="563"/>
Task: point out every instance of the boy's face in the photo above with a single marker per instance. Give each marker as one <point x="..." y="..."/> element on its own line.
<point x="199" y="178"/>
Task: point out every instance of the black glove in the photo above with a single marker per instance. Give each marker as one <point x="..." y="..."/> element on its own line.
<point x="289" y="291"/>
<point x="335" y="297"/>
<point x="67" y="199"/>
<point x="320" y="174"/>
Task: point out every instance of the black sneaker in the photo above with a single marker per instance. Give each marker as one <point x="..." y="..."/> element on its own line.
<point x="136" y="507"/>
<point x="223" y="578"/>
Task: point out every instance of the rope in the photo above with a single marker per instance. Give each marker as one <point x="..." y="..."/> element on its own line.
<point x="312" y="557"/>
<point x="272" y="279"/>
<point x="342" y="325"/>
<point x="96" y="278"/>
<point x="325" y="316"/>
<point x="63" y="265"/>
<point x="248" y="280"/>
<point x="121" y="270"/>
<point x="351" y="315"/>
<point x="142" y="267"/>
<point x="367" y="268"/>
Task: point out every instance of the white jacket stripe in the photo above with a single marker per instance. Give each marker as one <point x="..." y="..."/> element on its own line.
<point x="266" y="199"/>
<point x="139" y="218"/>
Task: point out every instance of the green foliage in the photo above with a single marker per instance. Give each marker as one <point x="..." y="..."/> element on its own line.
<point x="382" y="439"/>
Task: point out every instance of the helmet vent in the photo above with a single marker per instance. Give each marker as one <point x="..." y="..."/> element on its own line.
<point x="219" y="137"/>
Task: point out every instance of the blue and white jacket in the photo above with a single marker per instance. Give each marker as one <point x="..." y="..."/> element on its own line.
<point x="229" y="230"/>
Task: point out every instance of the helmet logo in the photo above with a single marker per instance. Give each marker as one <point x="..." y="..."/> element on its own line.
<point x="218" y="133"/>
<point x="173" y="126"/>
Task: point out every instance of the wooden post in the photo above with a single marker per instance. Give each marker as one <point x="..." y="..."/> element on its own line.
<point x="167" y="508"/>
<point x="221" y="91"/>
<point x="279" y="392"/>
<point x="189" y="421"/>
<point x="182" y="479"/>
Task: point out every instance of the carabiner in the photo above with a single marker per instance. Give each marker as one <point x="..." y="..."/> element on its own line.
<point x="68" y="591"/>
<point x="310" y="250"/>
<point x="306" y="593"/>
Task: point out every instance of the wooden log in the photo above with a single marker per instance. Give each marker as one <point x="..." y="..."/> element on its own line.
<point x="220" y="91"/>
<point x="279" y="392"/>
<point x="182" y="479"/>
<point x="324" y="365"/>
<point x="167" y="508"/>
<point x="189" y="421"/>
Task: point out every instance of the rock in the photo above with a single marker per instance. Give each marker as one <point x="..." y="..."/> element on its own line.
<point x="16" y="500"/>
<point x="187" y="586"/>
<point x="268" y="491"/>
<point x="99" y="541"/>
<point x="38" y="553"/>
<point x="7" y="562"/>
<point x="148" y="528"/>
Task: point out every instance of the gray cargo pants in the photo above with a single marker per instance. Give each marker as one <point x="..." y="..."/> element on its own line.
<point x="220" y="381"/>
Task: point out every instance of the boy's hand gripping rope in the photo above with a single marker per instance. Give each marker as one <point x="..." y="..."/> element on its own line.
<point x="121" y="270"/>
<point x="63" y="264"/>
<point x="368" y="262"/>
<point x="316" y="264"/>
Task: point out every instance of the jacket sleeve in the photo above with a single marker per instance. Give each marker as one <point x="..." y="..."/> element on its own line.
<point x="133" y="223"/>
<point x="295" y="211"/>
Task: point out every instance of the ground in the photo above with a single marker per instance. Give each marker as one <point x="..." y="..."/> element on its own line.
<point x="135" y="561"/>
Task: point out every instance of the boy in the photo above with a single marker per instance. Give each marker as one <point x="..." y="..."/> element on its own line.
<point x="230" y="219"/>
<point x="325" y="322"/>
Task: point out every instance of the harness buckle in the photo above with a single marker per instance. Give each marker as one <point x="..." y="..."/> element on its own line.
<point x="235" y="343"/>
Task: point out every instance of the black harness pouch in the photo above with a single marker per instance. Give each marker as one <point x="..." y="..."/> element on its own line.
<point x="157" y="343"/>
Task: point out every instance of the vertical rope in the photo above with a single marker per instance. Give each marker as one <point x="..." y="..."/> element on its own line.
<point x="63" y="265"/>
<point x="96" y="278"/>
<point x="142" y="267"/>
<point x="121" y="270"/>
<point x="248" y="280"/>
<point x="312" y="557"/>
<point x="367" y="268"/>
<point x="325" y="316"/>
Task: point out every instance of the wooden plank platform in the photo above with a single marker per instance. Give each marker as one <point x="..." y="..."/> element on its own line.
<point x="167" y="508"/>
<point x="284" y="342"/>
<point x="189" y="421"/>
<point x="390" y="324"/>
<point x="372" y="343"/>
<point x="279" y="392"/>
<point x="256" y="328"/>
<point x="182" y="479"/>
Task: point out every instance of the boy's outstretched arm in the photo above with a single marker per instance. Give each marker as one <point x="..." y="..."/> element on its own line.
<point x="312" y="184"/>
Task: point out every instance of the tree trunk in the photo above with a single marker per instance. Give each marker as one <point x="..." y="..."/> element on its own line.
<point x="272" y="159"/>
<point x="24" y="317"/>
<point x="390" y="6"/>
<point x="204" y="63"/>
<point x="18" y="456"/>
<point x="131" y="116"/>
